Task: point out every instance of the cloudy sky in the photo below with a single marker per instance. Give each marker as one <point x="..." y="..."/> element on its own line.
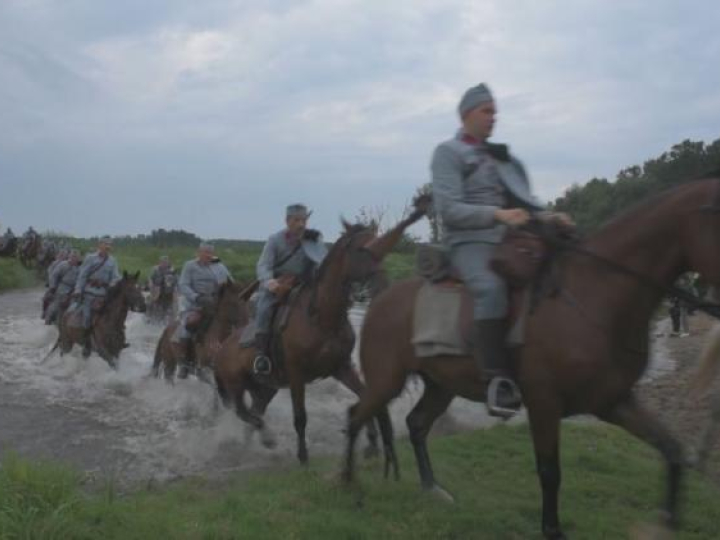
<point x="124" y="116"/>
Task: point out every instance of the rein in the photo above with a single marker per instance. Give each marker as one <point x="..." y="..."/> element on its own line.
<point x="711" y="309"/>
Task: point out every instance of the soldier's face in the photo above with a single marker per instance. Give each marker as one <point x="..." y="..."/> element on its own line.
<point x="296" y="225"/>
<point x="104" y="248"/>
<point x="481" y="120"/>
<point x="205" y="255"/>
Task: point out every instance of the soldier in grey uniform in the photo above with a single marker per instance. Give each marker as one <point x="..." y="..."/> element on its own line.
<point x="157" y="276"/>
<point x="295" y="251"/>
<point x="61" y="256"/>
<point x="200" y="282"/>
<point x="62" y="283"/>
<point x="99" y="272"/>
<point x="480" y="189"/>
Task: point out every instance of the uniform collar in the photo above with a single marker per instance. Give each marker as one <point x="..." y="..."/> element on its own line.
<point x="470" y="139"/>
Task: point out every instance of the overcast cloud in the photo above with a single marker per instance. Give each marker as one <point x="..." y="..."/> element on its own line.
<point x="122" y="117"/>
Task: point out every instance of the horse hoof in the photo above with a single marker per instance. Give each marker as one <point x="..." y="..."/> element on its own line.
<point x="303" y="457"/>
<point x="441" y="493"/>
<point x="371" y="452"/>
<point x="268" y="440"/>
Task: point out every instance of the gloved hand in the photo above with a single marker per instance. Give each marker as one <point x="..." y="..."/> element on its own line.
<point x="311" y="234"/>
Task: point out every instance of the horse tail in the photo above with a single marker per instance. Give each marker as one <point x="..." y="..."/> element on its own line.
<point x="709" y="362"/>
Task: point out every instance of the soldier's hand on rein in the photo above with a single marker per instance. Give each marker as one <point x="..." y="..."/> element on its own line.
<point x="272" y="285"/>
<point x="514" y="217"/>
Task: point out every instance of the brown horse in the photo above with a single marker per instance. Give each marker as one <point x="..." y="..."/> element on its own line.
<point x="230" y="312"/>
<point x="585" y="347"/>
<point x="108" y="334"/>
<point x="318" y="339"/>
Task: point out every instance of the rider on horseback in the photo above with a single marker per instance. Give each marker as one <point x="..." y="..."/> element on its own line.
<point x="199" y="284"/>
<point x="158" y="274"/>
<point x="294" y="251"/>
<point x="97" y="274"/>
<point x="62" y="283"/>
<point x="479" y="190"/>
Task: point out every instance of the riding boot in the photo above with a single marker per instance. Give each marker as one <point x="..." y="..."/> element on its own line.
<point x="491" y="355"/>
<point x="262" y="364"/>
<point x="186" y="363"/>
<point x="87" y="342"/>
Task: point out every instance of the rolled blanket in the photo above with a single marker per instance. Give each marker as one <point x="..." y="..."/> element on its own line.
<point x="432" y="262"/>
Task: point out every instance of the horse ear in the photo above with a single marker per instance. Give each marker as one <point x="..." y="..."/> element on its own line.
<point x="137" y="275"/>
<point x="346" y="225"/>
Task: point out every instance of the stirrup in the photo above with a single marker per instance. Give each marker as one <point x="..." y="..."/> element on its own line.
<point x="492" y="402"/>
<point x="262" y="365"/>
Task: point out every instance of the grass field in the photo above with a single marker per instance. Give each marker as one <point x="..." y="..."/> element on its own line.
<point x="610" y="483"/>
<point x="240" y="258"/>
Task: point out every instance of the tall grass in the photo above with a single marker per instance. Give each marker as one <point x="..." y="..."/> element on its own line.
<point x="14" y="276"/>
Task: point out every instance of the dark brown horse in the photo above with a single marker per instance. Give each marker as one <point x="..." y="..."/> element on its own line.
<point x="318" y="339"/>
<point x="108" y="335"/>
<point x="28" y="250"/>
<point x="230" y="312"/>
<point x="585" y="347"/>
<point x="162" y="300"/>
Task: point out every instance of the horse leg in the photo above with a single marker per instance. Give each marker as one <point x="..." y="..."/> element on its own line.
<point x="349" y="377"/>
<point x="261" y="398"/>
<point x="630" y="416"/>
<point x="379" y="390"/>
<point x="434" y="401"/>
<point x="297" y="393"/>
<point x="545" y="429"/>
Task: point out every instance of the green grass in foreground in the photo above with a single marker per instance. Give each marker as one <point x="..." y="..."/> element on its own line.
<point x="14" y="276"/>
<point x="610" y="483"/>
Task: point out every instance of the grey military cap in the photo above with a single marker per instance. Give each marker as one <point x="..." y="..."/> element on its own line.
<point x="474" y="97"/>
<point x="297" y="210"/>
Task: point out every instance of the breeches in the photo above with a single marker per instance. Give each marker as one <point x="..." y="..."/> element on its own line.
<point x="489" y="291"/>
<point x="266" y="301"/>
<point x="89" y="306"/>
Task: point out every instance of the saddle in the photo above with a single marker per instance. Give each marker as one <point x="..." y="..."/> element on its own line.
<point x="443" y="316"/>
<point x="287" y="294"/>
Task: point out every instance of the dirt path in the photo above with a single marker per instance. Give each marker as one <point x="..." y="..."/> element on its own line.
<point x="667" y="394"/>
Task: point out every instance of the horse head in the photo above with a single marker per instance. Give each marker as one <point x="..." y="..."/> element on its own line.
<point x="129" y="287"/>
<point x="229" y="304"/>
<point x="700" y="230"/>
<point x="350" y="255"/>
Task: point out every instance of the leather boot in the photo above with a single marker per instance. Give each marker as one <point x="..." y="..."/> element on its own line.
<point x="491" y="355"/>
<point x="186" y="363"/>
<point x="262" y="364"/>
<point x="87" y="342"/>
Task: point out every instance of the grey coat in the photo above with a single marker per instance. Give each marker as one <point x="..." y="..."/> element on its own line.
<point x="97" y="274"/>
<point x="63" y="279"/>
<point x="278" y="246"/>
<point x="469" y="185"/>
<point x="200" y="279"/>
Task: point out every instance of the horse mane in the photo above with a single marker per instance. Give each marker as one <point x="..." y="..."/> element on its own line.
<point x="114" y="292"/>
<point x="339" y="245"/>
<point x="650" y="202"/>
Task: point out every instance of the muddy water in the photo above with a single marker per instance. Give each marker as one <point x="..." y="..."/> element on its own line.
<point x="128" y="425"/>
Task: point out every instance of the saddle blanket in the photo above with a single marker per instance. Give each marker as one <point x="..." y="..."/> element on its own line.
<point x="437" y="321"/>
